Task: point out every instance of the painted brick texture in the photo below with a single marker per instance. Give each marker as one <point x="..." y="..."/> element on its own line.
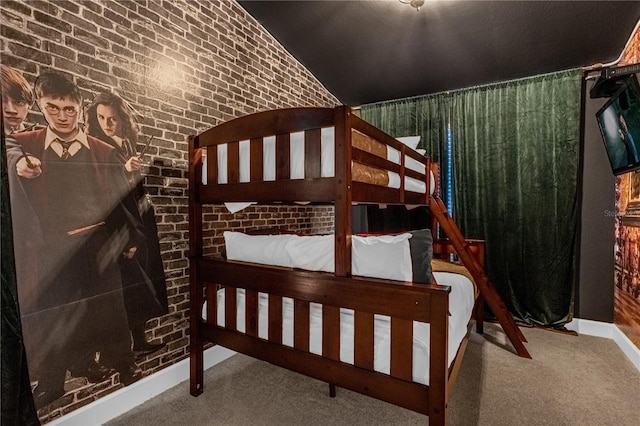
<point x="185" y="66"/>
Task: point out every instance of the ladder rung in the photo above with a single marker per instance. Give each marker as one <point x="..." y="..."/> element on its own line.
<point x="488" y="291"/>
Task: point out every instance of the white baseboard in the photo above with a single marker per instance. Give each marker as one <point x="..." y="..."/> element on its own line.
<point x="609" y="331"/>
<point x="123" y="400"/>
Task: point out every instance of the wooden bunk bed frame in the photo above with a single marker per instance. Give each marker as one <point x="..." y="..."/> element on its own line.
<point x="403" y="302"/>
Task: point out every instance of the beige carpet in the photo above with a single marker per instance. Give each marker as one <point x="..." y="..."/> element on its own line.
<point x="571" y="380"/>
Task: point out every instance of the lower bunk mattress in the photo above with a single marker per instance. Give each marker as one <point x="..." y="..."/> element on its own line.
<point x="461" y="302"/>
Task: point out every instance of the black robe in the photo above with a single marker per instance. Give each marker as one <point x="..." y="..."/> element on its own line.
<point x="69" y="286"/>
<point x="145" y="288"/>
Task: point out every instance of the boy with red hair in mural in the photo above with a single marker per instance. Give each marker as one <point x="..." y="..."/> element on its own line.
<point x="17" y="98"/>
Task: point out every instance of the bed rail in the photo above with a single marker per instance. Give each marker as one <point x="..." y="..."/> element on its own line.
<point x="321" y="182"/>
<point x="403" y="302"/>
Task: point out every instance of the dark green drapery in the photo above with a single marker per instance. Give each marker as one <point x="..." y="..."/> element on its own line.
<point x="516" y="148"/>
<point x="17" y="403"/>
<point x="424" y="116"/>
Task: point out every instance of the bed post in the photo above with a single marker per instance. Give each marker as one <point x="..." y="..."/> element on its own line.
<point x="438" y="359"/>
<point x="342" y="197"/>
<point x="342" y="205"/>
<point x="195" y="288"/>
<point x="435" y="170"/>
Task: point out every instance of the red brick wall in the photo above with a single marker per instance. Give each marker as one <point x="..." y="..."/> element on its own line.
<point x="185" y="66"/>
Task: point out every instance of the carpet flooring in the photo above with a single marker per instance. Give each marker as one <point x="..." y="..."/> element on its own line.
<point x="571" y="380"/>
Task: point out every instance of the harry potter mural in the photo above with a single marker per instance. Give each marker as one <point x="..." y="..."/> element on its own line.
<point x="87" y="255"/>
<point x="93" y="258"/>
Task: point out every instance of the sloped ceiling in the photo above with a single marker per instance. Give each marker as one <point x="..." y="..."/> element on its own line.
<point x="370" y="51"/>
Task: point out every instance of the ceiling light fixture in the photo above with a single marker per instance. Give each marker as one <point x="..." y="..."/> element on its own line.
<point x="414" y="3"/>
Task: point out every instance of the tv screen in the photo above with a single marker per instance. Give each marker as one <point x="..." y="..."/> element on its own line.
<point x="619" y="121"/>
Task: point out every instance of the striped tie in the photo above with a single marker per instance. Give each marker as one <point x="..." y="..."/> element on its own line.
<point x="65" y="149"/>
<point x="128" y="150"/>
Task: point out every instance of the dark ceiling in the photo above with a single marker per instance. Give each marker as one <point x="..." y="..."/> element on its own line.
<point x="370" y="51"/>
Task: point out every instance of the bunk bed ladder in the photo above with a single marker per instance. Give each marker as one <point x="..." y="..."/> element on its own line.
<point x="487" y="290"/>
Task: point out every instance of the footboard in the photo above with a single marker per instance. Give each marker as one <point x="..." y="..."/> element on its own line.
<point x="402" y="302"/>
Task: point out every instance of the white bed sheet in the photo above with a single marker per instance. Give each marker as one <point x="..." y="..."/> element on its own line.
<point x="461" y="302"/>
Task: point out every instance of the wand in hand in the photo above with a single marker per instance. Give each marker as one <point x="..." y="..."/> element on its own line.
<point x="144" y="149"/>
<point x="26" y="157"/>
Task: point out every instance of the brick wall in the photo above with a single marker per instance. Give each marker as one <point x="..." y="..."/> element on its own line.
<point x="185" y="66"/>
<point x="302" y="219"/>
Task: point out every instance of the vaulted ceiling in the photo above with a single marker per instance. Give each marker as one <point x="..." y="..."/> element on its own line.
<point x="370" y="51"/>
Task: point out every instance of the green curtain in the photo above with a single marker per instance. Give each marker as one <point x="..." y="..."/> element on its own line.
<point x="516" y="149"/>
<point x="425" y="116"/>
<point x="17" y="403"/>
<point x="516" y="169"/>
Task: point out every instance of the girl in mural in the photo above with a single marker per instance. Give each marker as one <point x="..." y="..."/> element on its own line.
<point x="110" y="119"/>
<point x="66" y="211"/>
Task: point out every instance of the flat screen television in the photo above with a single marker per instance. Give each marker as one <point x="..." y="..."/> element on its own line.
<point x="619" y="121"/>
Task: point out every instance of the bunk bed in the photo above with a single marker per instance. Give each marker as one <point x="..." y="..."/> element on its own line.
<point x="242" y="305"/>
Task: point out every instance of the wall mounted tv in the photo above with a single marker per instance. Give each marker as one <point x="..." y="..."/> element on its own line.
<point x="619" y="121"/>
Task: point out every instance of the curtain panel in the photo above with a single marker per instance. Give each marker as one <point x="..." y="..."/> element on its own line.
<point x="516" y="154"/>
<point x="424" y="116"/>
<point x="516" y="167"/>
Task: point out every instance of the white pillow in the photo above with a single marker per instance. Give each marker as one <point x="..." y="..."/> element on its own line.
<point x="386" y="256"/>
<point x="265" y="249"/>
<point x="410" y="141"/>
<point x="312" y="253"/>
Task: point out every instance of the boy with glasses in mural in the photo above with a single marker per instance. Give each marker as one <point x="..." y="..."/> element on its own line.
<point x="71" y="228"/>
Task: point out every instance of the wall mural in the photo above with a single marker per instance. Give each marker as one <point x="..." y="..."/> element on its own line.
<point x="627" y="233"/>
<point x="88" y="262"/>
<point x="627" y="256"/>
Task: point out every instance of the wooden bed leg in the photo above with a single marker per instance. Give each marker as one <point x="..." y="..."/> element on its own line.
<point x="197" y="373"/>
<point x="196" y="345"/>
<point x="332" y="390"/>
<point x="438" y="416"/>
<point x="196" y="355"/>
